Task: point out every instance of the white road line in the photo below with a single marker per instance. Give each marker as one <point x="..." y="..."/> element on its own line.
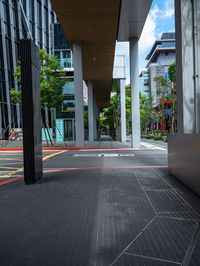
<point x="152" y="146"/>
<point x="96" y="155"/>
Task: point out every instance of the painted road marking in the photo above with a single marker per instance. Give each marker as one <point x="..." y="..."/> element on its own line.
<point x="11" y="159"/>
<point x="152" y="146"/>
<point x="9" y="174"/>
<point x="8" y="163"/>
<point x="52" y="170"/>
<point x="107" y="149"/>
<point x="97" y="155"/>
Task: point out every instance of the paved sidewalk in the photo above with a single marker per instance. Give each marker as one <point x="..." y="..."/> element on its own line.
<point x="101" y="207"/>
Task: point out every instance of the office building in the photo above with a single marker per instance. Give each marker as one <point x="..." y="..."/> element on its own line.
<point x="20" y="19"/>
<point x="161" y="56"/>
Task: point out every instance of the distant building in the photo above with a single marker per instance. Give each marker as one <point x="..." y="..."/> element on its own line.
<point x="144" y="83"/>
<point x="161" y="56"/>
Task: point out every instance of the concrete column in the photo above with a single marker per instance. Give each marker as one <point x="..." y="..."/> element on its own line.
<point x="123" y="109"/>
<point x="78" y="85"/>
<point x="135" y="101"/>
<point x="0" y="122"/>
<point x="95" y="116"/>
<point x="185" y="67"/>
<point x="90" y="111"/>
<point x="197" y="56"/>
<point x="98" y="120"/>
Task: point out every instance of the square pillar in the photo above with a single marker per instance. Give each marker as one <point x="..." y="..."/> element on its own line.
<point x="135" y="101"/>
<point x="78" y="87"/>
<point x="31" y="111"/>
<point x="184" y="67"/>
<point x="94" y="116"/>
<point x="123" y="109"/>
<point x="90" y="111"/>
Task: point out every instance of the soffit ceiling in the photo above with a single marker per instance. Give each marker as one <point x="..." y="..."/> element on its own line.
<point x="133" y="15"/>
<point x="95" y="24"/>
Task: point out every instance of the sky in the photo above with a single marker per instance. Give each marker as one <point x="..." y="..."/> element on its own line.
<point x="159" y="20"/>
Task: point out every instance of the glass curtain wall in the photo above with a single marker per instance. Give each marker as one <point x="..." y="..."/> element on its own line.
<point x="39" y="18"/>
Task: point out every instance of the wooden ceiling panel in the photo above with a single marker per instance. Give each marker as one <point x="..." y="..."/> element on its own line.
<point x="95" y="23"/>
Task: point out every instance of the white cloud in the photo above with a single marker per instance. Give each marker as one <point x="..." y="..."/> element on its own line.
<point x="148" y="34"/>
<point x="152" y="29"/>
<point x="169" y="8"/>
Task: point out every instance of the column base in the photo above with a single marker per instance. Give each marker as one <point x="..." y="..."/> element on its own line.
<point x="184" y="159"/>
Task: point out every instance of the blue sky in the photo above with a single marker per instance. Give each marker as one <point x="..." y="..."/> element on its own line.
<point x="159" y="20"/>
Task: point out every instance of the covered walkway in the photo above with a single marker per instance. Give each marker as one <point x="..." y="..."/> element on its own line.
<point x="120" y="206"/>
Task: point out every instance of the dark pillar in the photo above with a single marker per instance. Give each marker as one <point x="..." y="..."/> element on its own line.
<point x="31" y="111"/>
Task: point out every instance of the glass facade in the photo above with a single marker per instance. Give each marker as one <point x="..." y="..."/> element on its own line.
<point x="63" y="54"/>
<point x="31" y="19"/>
<point x="170" y="44"/>
<point x="18" y="20"/>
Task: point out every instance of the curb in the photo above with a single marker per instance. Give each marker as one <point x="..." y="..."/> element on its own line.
<point x="64" y="148"/>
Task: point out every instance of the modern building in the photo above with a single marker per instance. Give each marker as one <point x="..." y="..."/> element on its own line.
<point x="65" y="117"/>
<point x="20" y="19"/>
<point x="161" y="56"/>
<point x="144" y="85"/>
<point x="37" y="20"/>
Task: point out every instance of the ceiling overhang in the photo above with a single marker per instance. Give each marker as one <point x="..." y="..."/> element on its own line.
<point x="133" y="15"/>
<point x="97" y="24"/>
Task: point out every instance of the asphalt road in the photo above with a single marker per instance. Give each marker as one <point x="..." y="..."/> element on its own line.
<point x="107" y="154"/>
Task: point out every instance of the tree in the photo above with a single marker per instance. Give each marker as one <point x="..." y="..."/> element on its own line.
<point x="172" y="72"/>
<point x="110" y="116"/>
<point x="52" y="80"/>
<point x="162" y="84"/>
<point x="128" y="108"/>
<point x="172" y="77"/>
<point x="146" y="110"/>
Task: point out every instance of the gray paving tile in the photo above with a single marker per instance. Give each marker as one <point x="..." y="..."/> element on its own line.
<point x="89" y="217"/>
<point x="127" y="260"/>
<point x="165" y="238"/>
<point x="195" y="257"/>
<point x="167" y="203"/>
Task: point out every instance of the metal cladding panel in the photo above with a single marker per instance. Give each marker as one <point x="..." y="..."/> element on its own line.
<point x="133" y="15"/>
<point x="31" y="113"/>
<point x="184" y="159"/>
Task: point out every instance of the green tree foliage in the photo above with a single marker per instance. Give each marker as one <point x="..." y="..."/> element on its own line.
<point x="52" y="80"/>
<point x="146" y="110"/>
<point x="172" y="77"/>
<point x="110" y="116"/>
<point x="128" y="108"/>
<point x="162" y="84"/>
<point x="172" y="72"/>
<point x="163" y="88"/>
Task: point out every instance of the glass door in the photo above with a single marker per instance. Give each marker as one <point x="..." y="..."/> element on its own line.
<point x="69" y="130"/>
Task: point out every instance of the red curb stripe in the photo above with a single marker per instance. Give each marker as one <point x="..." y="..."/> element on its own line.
<point x="68" y="149"/>
<point x="7" y="181"/>
<point x="51" y="170"/>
